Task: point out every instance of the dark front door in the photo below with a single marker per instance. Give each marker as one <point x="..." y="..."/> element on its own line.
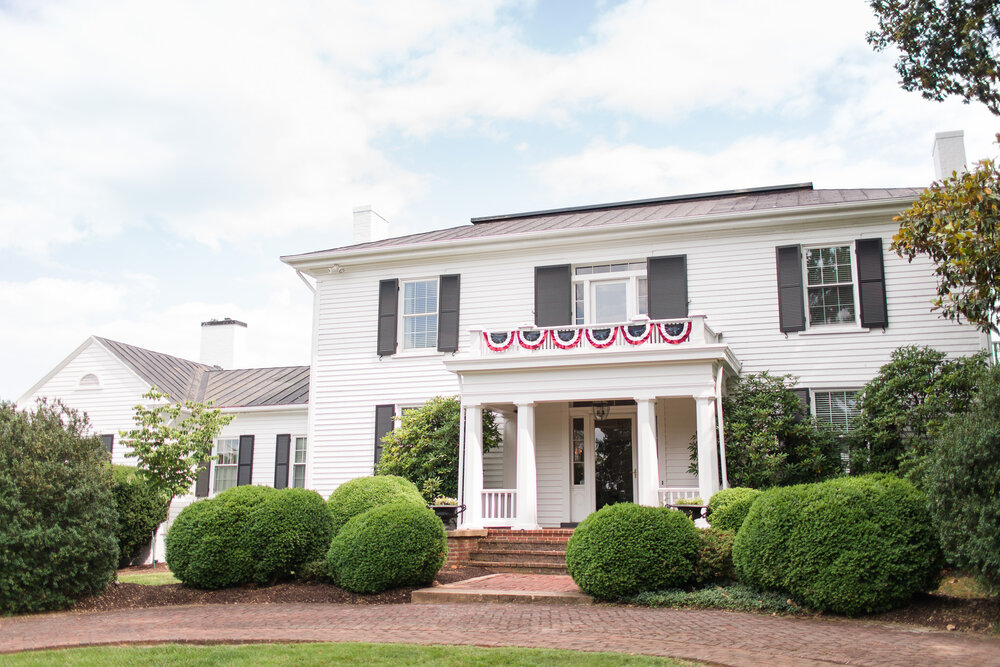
<point x="613" y="461"/>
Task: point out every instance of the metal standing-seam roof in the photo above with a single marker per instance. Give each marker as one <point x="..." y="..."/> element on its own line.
<point x="185" y="380"/>
<point x="623" y="213"/>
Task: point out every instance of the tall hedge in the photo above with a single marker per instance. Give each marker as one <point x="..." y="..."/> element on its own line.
<point x="399" y="544"/>
<point x="624" y="549"/>
<point x="964" y="486"/>
<point x="364" y="493"/>
<point x="291" y="528"/>
<point x="140" y="510"/>
<point x="57" y="514"/>
<point x="729" y="507"/>
<point x="847" y="545"/>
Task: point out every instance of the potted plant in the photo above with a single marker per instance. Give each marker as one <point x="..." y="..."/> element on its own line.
<point x="693" y="507"/>
<point x="447" y="510"/>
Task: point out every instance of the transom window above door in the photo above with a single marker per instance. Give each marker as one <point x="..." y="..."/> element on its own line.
<point x="609" y="293"/>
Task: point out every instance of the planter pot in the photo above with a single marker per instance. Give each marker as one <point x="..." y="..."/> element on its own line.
<point x="693" y="511"/>
<point x="448" y="514"/>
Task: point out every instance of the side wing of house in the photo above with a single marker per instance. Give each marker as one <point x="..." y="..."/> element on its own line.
<point x="93" y="380"/>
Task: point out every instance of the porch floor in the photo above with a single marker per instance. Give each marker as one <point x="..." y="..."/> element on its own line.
<point x="506" y="587"/>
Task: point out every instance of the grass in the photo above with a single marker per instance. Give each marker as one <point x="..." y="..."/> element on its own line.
<point x="736" y="597"/>
<point x="324" y="654"/>
<point x="960" y="585"/>
<point x="149" y="578"/>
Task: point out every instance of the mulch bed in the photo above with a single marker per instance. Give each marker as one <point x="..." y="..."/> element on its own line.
<point x="946" y="613"/>
<point x="136" y="596"/>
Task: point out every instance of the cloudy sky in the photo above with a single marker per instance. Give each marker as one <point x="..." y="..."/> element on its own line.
<point x="157" y="158"/>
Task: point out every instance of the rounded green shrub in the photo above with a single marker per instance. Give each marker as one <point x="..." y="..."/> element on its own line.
<point x="399" y="544"/>
<point x="729" y="507"/>
<point x="364" y="493"/>
<point x="140" y="510"/>
<point x="624" y="549"/>
<point x="715" y="557"/>
<point x="57" y="514"/>
<point x="848" y="545"/>
<point x="209" y="544"/>
<point x="290" y="528"/>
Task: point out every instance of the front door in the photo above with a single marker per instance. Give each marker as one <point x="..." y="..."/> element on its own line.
<point x="602" y="463"/>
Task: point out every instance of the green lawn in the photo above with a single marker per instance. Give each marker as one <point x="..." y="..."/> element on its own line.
<point x="149" y="578"/>
<point x="323" y="654"/>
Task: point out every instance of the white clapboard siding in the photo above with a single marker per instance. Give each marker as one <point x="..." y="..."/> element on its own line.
<point x="731" y="279"/>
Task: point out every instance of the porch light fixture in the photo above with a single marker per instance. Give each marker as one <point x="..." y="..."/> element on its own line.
<point x="601" y="410"/>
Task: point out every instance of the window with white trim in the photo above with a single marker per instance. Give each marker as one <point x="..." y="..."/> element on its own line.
<point x="299" y="463"/>
<point x="420" y="314"/>
<point x="837" y="408"/>
<point x="830" y="285"/>
<point x="609" y="293"/>
<point x="228" y="452"/>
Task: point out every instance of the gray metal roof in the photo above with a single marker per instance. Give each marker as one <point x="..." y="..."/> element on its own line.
<point x="185" y="380"/>
<point x="623" y="213"/>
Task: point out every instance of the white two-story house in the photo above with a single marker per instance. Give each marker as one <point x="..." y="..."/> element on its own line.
<point x="603" y="336"/>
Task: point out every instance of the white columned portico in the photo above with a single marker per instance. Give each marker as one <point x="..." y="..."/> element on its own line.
<point x="527" y="493"/>
<point x="708" y="456"/>
<point x="647" y="464"/>
<point x="473" y="473"/>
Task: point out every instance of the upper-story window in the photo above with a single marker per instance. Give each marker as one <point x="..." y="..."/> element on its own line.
<point x="830" y="285"/>
<point x="420" y="314"/>
<point x="607" y="293"/>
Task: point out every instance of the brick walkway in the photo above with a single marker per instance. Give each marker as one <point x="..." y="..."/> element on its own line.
<point x="712" y="636"/>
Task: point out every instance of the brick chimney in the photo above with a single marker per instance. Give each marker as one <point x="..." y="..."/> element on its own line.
<point x="223" y="342"/>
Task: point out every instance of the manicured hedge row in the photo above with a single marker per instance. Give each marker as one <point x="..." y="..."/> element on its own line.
<point x="364" y="493"/>
<point x="729" y="507"/>
<point x="847" y="545"/>
<point x="624" y="549"/>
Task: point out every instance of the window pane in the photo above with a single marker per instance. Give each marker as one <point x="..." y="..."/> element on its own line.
<point x="610" y="301"/>
<point x="828" y="266"/>
<point x="420" y="297"/>
<point x="578" y="303"/>
<point x="837" y="408"/>
<point x="299" y="477"/>
<point x="619" y="267"/>
<point x="831" y="305"/>
<point x="420" y="331"/>
<point x="603" y="268"/>
<point x="584" y="270"/>
<point x="227" y="450"/>
<point x="578" y="460"/>
<point x="225" y="477"/>
<point x="642" y="298"/>
<point x="300" y="450"/>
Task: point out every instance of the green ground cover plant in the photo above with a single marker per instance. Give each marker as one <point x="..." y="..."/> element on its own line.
<point x="735" y="597"/>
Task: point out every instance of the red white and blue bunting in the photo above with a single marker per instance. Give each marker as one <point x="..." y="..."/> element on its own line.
<point x="566" y="339"/>
<point x="636" y="334"/>
<point x="500" y="341"/>
<point x="532" y="339"/>
<point x="603" y="337"/>
<point x="597" y="336"/>
<point x="675" y="333"/>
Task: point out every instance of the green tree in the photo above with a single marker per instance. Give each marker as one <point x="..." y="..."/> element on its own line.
<point x="956" y="223"/>
<point x="140" y="511"/>
<point x="424" y="449"/>
<point x="172" y="440"/>
<point x="904" y="406"/>
<point x="57" y="514"/>
<point x="964" y="485"/>
<point x="770" y="439"/>
<point x="947" y="47"/>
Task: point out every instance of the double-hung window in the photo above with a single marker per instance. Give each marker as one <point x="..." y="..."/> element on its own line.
<point x="228" y="451"/>
<point x="838" y="409"/>
<point x="299" y="463"/>
<point x="420" y="314"/>
<point x="830" y="285"/>
<point x="609" y="293"/>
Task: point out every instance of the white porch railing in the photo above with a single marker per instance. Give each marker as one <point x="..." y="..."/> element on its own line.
<point x="670" y="494"/>
<point x="593" y="337"/>
<point x="499" y="506"/>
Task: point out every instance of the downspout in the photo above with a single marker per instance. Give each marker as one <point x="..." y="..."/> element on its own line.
<point x="722" y="429"/>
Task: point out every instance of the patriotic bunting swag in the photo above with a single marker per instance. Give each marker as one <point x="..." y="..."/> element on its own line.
<point x="636" y="334"/>
<point x="566" y="339"/>
<point x="531" y="340"/>
<point x="675" y="333"/>
<point x="601" y="338"/>
<point x="598" y="337"/>
<point x="498" y="342"/>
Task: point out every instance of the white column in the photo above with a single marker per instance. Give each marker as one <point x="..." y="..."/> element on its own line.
<point x="708" y="458"/>
<point x="527" y="492"/>
<point x="473" y="473"/>
<point x="647" y="464"/>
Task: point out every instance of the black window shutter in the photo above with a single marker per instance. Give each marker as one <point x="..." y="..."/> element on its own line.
<point x="553" y="296"/>
<point x="791" y="295"/>
<point x="448" y="299"/>
<point x="871" y="283"/>
<point x="667" y="288"/>
<point x="388" y="305"/>
<point x="244" y="472"/>
<point x="384" y="422"/>
<point x="201" y="484"/>
<point x="282" y="445"/>
<point x="803" y="395"/>
<point x="108" y="440"/>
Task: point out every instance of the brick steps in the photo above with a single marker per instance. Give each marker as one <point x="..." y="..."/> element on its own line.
<point x="515" y="556"/>
<point x="523" y="551"/>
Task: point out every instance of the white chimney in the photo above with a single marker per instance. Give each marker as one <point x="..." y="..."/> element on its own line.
<point x="369" y="225"/>
<point x="949" y="153"/>
<point x="223" y="342"/>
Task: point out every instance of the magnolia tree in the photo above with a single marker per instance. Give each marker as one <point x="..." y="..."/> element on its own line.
<point x="172" y="441"/>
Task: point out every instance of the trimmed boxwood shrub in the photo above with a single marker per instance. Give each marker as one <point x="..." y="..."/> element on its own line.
<point x="624" y="549"/>
<point x="290" y="528"/>
<point x="140" y="510"/>
<point x="399" y="544"/>
<point x="209" y="544"/>
<point x="715" y="557"/>
<point x="57" y="515"/>
<point x="848" y="545"/>
<point x="729" y="507"/>
<point x="364" y="493"/>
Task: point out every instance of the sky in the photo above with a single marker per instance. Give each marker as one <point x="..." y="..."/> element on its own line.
<point x="157" y="158"/>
